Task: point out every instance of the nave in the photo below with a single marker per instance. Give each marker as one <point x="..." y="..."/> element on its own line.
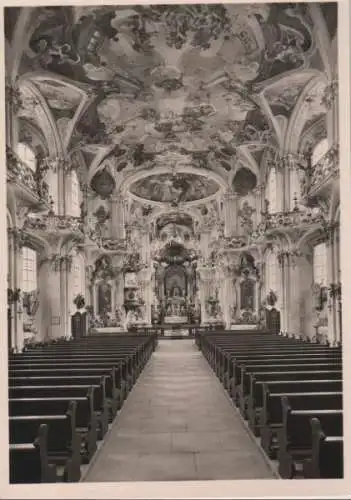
<point x="178" y="424"/>
<point x="135" y="408"/>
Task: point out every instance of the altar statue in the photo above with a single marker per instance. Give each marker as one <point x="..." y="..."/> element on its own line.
<point x="176" y="292"/>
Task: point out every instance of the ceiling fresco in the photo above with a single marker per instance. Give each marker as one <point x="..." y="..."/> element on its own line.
<point x="197" y="85"/>
<point x="174" y="189"/>
<point x="174" y="218"/>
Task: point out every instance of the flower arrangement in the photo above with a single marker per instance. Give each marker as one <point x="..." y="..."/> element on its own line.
<point x="79" y="301"/>
<point x="271" y="298"/>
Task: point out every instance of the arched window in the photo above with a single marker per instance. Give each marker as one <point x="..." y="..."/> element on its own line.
<point x="29" y="270"/>
<point x="320" y="264"/>
<point x="27" y="155"/>
<point x="75" y="195"/>
<point x="273" y="276"/>
<point x="319" y="151"/>
<point x="295" y="188"/>
<point x="77" y="278"/>
<point x="271" y="191"/>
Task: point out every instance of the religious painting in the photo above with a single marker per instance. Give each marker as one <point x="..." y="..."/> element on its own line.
<point x="175" y="282"/>
<point x="104" y="299"/>
<point x="178" y="188"/>
<point x="247" y="294"/>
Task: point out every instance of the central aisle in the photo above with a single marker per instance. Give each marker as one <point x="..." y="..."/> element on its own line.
<point x="178" y="424"/>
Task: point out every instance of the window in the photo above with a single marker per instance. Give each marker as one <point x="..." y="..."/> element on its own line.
<point x="27" y="155"/>
<point x="295" y="189"/>
<point x="271" y="191"/>
<point x="75" y="195"/>
<point x="273" y="276"/>
<point x="319" y="151"/>
<point x="29" y="270"/>
<point x="320" y="264"/>
<point x="78" y="277"/>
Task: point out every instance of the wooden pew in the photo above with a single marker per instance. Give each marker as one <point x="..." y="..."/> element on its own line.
<point x="290" y="381"/>
<point x="271" y="418"/>
<point x="295" y="437"/>
<point x="126" y="372"/>
<point x="29" y="462"/>
<point x="242" y="389"/>
<point x="63" y="443"/>
<point x="233" y="369"/>
<point x="327" y="459"/>
<point x="260" y="352"/>
<point x="86" y="419"/>
<point x="87" y="380"/>
<point x="101" y="407"/>
<point x="70" y="373"/>
<point x="118" y="391"/>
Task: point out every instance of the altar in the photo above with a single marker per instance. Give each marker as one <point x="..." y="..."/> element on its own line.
<point x="176" y="319"/>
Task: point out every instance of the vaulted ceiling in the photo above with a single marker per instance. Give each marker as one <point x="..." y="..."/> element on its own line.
<point x="141" y="93"/>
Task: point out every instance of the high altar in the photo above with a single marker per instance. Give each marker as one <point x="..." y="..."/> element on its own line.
<point x="173" y="269"/>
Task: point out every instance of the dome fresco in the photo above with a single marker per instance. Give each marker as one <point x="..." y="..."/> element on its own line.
<point x="178" y="188"/>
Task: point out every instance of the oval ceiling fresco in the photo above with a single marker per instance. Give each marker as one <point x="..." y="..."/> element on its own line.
<point x="177" y="188"/>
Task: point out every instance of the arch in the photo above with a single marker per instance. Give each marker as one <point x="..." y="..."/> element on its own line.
<point x="27" y="155"/>
<point x="29" y="132"/>
<point x="309" y="238"/>
<point x="44" y="116"/>
<point x="246" y="161"/>
<point x="20" y="38"/>
<point x="319" y="150"/>
<point x="297" y="122"/>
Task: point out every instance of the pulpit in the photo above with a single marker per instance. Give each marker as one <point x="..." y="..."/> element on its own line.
<point x="79" y="325"/>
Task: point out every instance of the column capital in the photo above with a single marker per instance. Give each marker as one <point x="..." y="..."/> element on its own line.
<point x="230" y="195"/>
<point x="330" y="94"/>
<point x="20" y="237"/>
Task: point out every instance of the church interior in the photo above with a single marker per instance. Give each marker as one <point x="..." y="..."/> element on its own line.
<point x="173" y="220"/>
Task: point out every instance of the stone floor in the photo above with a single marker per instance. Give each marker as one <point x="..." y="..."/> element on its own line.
<point x="178" y="424"/>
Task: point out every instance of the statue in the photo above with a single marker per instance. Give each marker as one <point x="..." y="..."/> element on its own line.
<point x="176" y="292"/>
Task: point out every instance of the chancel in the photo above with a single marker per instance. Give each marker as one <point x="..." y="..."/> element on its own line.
<point x="173" y="216"/>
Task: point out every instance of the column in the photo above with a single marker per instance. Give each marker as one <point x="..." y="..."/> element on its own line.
<point x="337" y="275"/>
<point x="284" y="306"/>
<point x="293" y="298"/>
<point x="145" y="244"/>
<point x="331" y="101"/>
<point x="226" y="296"/>
<point x="259" y="202"/>
<point x="11" y="101"/>
<point x="117" y="217"/>
<point x="18" y="333"/>
<point x="230" y="210"/>
<point x="54" y="298"/>
<point x="65" y="274"/>
<point x="205" y="237"/>
<point x="61" y="185"/>
<point x="120" y="290"/>
<point x="332" y="278"/>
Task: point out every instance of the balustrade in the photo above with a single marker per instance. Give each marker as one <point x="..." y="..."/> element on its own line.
<point x="22" y="175"/>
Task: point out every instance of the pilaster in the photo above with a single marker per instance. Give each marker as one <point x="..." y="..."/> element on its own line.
<point x="117" y="217"/>
<point x="230" y="210"/>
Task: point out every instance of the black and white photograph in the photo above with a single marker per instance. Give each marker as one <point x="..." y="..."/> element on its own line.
<point x="174" y="275"/>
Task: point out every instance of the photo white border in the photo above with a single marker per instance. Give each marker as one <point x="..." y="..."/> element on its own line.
<point x="196" y="489"/>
